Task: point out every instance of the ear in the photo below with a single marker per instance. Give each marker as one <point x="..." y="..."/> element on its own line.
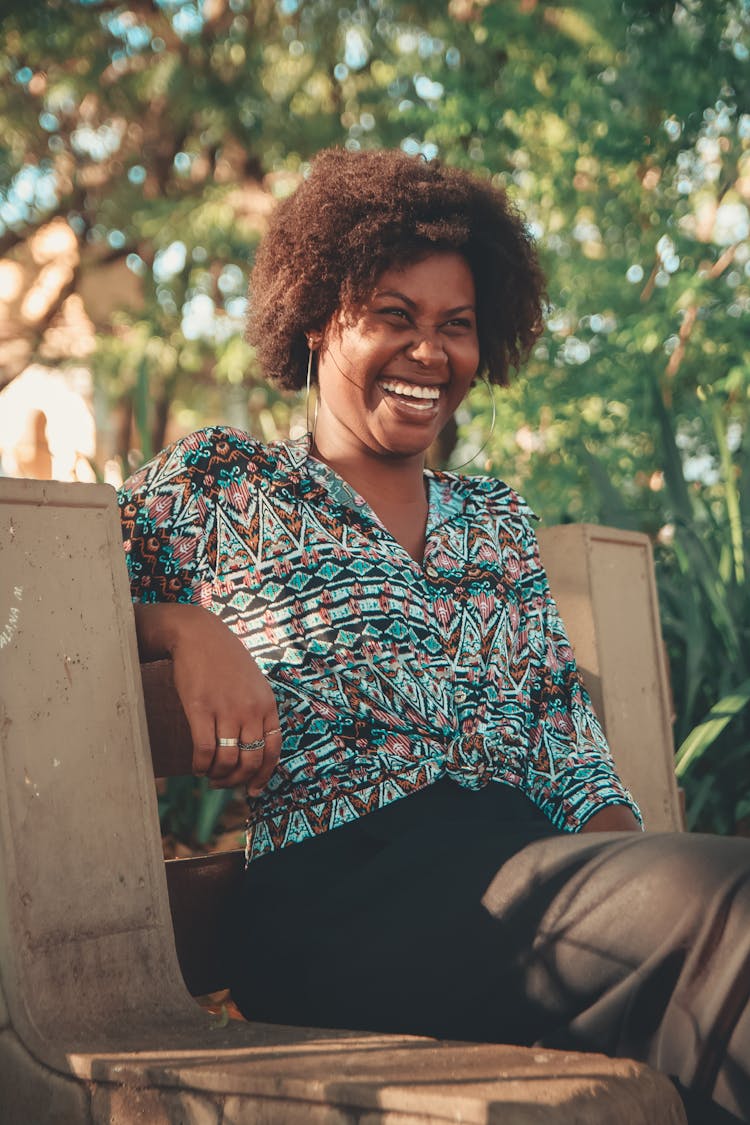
<point x="314" y="340"/>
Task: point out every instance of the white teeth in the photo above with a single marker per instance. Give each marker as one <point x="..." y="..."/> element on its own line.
<point x="410" y="390"/>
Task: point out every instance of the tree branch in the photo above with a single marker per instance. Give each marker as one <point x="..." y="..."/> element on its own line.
<point x="691" y="313"/>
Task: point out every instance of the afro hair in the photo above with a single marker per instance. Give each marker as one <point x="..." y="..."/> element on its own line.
<point x="360" y="213"/>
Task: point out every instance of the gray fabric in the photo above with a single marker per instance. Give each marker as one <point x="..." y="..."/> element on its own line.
<point x="640" y="947"/>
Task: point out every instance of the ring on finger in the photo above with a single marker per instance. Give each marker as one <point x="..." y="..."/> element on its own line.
<point x="274" y="730"/>
<point x="227" y="742"/>
<point x="256" y="744"/>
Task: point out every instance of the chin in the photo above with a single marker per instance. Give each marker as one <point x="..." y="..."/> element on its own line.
<point x="407" y="444"/>
<point x="394" y="447"/>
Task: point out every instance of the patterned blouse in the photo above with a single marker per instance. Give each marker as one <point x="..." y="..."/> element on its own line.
<point x="387" y="674"/>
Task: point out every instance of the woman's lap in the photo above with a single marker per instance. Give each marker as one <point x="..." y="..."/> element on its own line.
<point x="640" y="947"/>
<point x="463" y="925"/>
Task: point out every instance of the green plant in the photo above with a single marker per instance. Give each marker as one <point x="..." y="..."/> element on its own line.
<point x="705" y="603"/>
<point x="190" y="811"/>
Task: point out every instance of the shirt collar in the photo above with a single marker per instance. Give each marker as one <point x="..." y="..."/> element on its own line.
<point x="449" y="495"/>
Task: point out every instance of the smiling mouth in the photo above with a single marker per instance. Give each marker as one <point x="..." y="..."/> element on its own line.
<point x="414" y="395"/>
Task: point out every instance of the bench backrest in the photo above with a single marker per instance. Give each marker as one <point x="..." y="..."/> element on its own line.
<point x="603" y="581"/>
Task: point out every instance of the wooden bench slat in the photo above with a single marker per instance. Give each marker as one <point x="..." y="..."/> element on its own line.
<point x="168" y="728"/>
<point x="200" y="890"/>
<point x="200" y="887"/>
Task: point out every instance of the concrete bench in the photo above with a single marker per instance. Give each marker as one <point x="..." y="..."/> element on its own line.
<point x="96" y="1021"/>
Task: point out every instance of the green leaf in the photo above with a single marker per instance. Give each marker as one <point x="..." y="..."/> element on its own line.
<point x="700" y="799"/>
<point x="731" y="495"/>
<point x="141" y="406"/>
<point x="706" y="733"/>
<point x="219" y="1019"/>
<point x="212" y="804"/>
<point x="671" y="460"/>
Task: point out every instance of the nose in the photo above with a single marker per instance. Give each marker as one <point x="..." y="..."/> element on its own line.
<point x="427" y="349"/>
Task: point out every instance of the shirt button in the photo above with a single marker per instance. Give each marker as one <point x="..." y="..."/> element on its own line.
<point x="460" y="696"/>
<point x="431" y="572"/>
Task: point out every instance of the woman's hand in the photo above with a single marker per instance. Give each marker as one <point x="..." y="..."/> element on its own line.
<point x="222" y="690"/>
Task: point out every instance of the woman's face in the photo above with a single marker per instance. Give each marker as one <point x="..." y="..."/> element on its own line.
<point x="391" y="373"/>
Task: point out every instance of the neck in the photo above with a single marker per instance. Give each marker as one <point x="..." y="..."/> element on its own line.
<point x="393" y="486"/>
<point x="379" y="478"/>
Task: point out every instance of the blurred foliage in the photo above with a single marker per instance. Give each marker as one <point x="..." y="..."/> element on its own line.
<point x="622" y="130"/>
<point x="190" y="810"/>
<point x="705" y="606"/>
<point x="702" y="569"/>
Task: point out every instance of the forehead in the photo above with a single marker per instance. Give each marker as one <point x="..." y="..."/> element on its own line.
<point x="442" y="277"/>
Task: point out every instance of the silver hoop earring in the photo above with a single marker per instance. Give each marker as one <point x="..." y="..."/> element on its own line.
<point x="490" y="432"/>
<point x="308" y="387"/>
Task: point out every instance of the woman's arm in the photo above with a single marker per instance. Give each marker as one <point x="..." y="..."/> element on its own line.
<point x="570" y="772"/>
<point x="222" y="689"/>
<point x="614" y="818"/>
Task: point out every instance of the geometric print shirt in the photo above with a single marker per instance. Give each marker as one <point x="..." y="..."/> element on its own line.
<point x="388" y="674"/>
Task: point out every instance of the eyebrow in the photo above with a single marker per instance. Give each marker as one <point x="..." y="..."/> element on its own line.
<point x="412" y="304"/>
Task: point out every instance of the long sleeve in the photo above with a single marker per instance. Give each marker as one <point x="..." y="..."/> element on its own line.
<point x="167" y="512"/>
<point x="570" y="772"/>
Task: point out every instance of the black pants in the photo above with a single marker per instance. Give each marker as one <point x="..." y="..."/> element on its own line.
<point x="465" y="915"/>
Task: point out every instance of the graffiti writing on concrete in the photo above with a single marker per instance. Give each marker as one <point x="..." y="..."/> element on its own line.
<point x="14" y="613"/>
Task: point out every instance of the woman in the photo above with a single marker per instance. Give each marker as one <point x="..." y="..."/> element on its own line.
<point x="383" y="666"/>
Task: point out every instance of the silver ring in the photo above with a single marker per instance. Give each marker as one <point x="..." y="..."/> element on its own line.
<point x="227" y="742"/>
<point x="274" y="730"/>
<point x="256" y="744"/>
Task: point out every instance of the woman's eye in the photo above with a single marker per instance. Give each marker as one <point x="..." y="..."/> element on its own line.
<point x="458" y="322"/>
<point x="400" y="314"/>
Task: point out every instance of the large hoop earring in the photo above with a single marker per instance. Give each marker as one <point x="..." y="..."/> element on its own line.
<point x="308" y="388"/>
<point x="491" y="389"/>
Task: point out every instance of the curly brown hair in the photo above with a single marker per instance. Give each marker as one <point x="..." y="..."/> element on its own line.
<point x="360" y="213"/>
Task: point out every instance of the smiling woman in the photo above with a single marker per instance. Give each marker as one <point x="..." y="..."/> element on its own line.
<point x="395" y="282"/>
<point x="437" y="839"/>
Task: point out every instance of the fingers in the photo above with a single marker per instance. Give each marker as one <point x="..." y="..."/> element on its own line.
<point x="227" y="700"/>
<point x="203" y="729"/>
<point x="250" y="755"/>
<point x="210" y="756"/>
<point x="227" y="752"/>
<point x="252" y="760"/>
<point x="248" y="765"/>
<point x="245" y="758"/>
<point x="271" y="754"/>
